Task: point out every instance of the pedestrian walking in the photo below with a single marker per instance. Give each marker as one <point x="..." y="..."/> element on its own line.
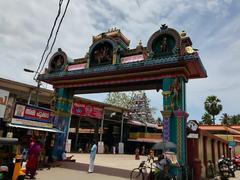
<point x="143" y="150"/>
<point x="33" y="155"/>
<point x="114" y="149"/>
<point x="92" y="157"/>
<point x="137" y="154"/>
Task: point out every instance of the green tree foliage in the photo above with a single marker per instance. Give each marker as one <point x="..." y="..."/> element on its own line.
<point x="120" y="99"/>
<point x="206" y="119"/>
<point x="225" y="119"/>
<point x="212" y="106"/>
<point x="234" y="120"/>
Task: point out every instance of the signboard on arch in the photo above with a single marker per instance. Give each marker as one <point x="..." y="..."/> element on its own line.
<point x="134" y="58"/>
<point x="87" y="110"/>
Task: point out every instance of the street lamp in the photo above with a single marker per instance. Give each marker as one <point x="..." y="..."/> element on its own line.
<point x="38" y="87"/>
<point x="29" y="70"/>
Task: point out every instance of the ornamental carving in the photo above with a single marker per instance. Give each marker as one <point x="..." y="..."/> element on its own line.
<point x="101" y="54"/>
<point x="164" y="42"/>
<point x="175" y="90"/>
<point x="58" y="61"/>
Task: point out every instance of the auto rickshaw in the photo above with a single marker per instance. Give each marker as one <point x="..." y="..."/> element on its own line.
<point x="10" y="160"/>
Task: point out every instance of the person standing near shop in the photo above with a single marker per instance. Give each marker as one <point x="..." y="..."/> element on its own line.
<point x="32" y="161"/>
<point x="49" y="145"/>
<point x="92" y="157"/>
<point x="137" y="157"/>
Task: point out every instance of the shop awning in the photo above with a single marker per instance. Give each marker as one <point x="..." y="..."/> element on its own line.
<point x="35" y="128"/>
<point x="145" y="140"/>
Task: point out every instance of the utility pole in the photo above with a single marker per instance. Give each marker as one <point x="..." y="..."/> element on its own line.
<point x="37" y="92"/>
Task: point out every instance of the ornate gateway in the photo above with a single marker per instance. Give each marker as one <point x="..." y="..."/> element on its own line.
<point x="167" y="63"/>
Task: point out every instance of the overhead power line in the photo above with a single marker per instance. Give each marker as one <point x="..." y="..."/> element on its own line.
<point x="40" y="65"/>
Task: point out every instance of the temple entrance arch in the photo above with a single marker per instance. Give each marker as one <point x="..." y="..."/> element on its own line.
<point x="167" y="63"/>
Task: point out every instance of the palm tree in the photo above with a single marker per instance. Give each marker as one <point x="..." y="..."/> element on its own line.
<point x="206" y="119"/>
<point x="235" y="120"/>
<point x="225" y="119"/>
<point x="212" y="106"/>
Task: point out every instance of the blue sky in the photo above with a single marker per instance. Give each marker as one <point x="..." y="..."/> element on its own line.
<point x="213" y="26"/>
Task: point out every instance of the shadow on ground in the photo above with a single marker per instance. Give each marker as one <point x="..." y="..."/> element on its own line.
<point x="97" y="169"/>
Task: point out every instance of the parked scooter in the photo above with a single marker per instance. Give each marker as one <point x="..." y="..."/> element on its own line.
<point x="226" y="167"/>
<point x="236" y="162"/>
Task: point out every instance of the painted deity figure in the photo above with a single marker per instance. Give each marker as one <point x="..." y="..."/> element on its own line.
<point x="175" y="88"/>
<point x="103" y="55"/>
<point x="164" y="46"/>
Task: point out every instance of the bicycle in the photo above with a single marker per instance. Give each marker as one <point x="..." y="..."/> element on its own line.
<point x="140" y="172"/>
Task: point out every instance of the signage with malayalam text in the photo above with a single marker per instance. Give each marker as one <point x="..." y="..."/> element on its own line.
<point x="89" y="110"/>
<point x="32" y="115"/>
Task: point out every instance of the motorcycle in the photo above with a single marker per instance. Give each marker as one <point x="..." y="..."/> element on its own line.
<point x="236" y="162"/>
<point x="226" y="167"/>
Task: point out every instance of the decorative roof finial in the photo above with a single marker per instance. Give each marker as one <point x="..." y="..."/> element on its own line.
<point x="140" y="43"/>
<point x="139" y="46"/>
<point x="163" y="27"/>
<point x="183" y="34"/>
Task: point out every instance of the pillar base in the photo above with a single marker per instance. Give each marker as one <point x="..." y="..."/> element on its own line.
<point x="121" y="148"/>
<point x="100" y="147"/>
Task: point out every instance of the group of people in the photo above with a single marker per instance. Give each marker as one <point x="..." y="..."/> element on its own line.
<point x="113" y="149"/>
<point x="35" y="148"/>
<point x="31" y="156"/>
<point x="163" y="164"/>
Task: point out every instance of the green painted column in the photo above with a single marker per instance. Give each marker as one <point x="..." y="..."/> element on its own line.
<point x="64" y="99"/>
<point x="167" y="112"/>
<point x="181" y="117"/>
<point x="174" y="115"/>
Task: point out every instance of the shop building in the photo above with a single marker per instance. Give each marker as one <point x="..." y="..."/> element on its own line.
<point x="87" y="121"/>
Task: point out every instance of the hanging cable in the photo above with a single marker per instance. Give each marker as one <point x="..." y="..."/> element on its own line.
<point x="55" y="37"/>
<point x="49" y="38"/>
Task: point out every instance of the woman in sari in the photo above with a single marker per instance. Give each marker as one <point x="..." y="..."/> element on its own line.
<point x="33" y="155"/>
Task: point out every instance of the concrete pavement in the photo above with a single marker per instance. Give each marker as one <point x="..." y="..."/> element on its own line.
<point x="69" y="174"/>
<point x="107" y="167"/>
<point x="119" y="161"/>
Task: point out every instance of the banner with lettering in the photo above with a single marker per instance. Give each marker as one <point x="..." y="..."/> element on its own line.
<point x="88" y="110"/>
<point x="32" y="116"/>
<point x="3" y="102"/>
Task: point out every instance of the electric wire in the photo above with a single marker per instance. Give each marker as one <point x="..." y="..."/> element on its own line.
<point x="49" y="38"/>
<point x="55" y="37"/>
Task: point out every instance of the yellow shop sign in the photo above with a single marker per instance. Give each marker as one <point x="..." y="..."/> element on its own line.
<point x="225" y="137"/>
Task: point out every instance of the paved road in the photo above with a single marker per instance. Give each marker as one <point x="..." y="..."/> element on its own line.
<point x="237" y="174"/>
<point x="107" y="167"/>
<point x="68" y="174"/>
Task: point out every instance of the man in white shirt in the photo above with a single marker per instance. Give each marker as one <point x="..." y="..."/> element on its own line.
<point x="92" y="157"/>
